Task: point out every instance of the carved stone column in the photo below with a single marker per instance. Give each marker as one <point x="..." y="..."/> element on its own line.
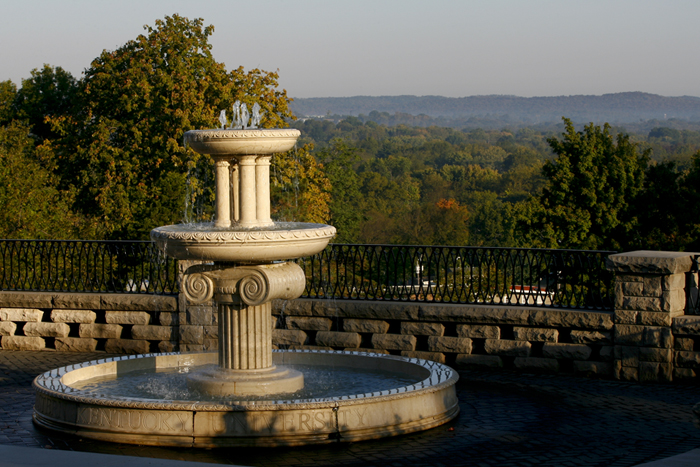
<point x="223" y="202"/>
<point x="243" y="295"/>
<point x="247" y="198"/>
<point x="262" y="189"/>
<point x="235" y="193"/>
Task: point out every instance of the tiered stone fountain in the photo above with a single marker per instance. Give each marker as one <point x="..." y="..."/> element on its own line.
<point x="245" y="394"/>
<point x="247" y="248"/>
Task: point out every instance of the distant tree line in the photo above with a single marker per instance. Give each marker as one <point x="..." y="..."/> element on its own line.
<point x="458" y="112"/>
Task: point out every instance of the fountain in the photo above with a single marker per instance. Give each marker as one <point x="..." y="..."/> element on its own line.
<point x="247" y="394"/>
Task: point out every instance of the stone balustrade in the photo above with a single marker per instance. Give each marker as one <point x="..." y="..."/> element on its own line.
<point x="647" y="337"/>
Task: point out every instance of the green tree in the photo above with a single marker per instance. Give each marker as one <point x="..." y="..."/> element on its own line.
<point x="688" y="204"/>
<point x="123" y="149"/>
<point x="8" y="93"/>
<point x="492" y="221"/>
<point x="32" y="206"/>
<point x="346" y="205"/>
<point x="49" y="93"/>
<point x="660" y="210"/>
<point x="590" y="190"/>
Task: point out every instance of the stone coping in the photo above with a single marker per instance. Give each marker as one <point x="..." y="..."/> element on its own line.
<point x="448" y="313"/>
<point x="650" y="262"/>
<point x="89" y="301"/>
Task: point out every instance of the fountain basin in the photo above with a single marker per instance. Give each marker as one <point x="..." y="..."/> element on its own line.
<point x="272" y="421"/>
<point x="242" y="142"/>
<point x="205" y="243"/>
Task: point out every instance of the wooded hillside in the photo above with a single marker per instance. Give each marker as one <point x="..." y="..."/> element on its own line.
<point x="614" y="108"/>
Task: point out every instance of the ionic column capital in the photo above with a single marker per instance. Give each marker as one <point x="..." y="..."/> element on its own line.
<point x="250" y="285"/>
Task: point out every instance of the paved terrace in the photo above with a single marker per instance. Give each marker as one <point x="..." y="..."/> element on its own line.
<point x="506" y="419"/>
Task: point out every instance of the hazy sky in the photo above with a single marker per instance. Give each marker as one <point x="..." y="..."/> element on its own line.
<point x="392" y="47"/>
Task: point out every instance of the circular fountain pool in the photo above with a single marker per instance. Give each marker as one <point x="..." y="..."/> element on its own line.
<point x="349" y="396"/>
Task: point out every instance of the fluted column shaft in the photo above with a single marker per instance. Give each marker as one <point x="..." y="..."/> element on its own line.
<point x="223" y="201"/>
<point x="248" y="214"/>
<point x="262" y="189"/>
<point x="245" y="336"/>
<point x="235" y="192"/>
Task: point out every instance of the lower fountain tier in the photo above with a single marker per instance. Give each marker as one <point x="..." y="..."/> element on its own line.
<point x="427" y="401"/>
<point x="223" y="382"/>
<point x="282" y="241"/>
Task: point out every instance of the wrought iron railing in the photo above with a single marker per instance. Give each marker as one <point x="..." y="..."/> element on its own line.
<point x="516" y="276"/>
<point x="86" y="266"/>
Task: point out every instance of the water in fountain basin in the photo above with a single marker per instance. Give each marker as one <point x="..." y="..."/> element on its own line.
<point x="321" y="382"/>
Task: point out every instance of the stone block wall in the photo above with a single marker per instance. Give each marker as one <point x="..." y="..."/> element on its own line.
<point x="460" y="335"/>
<point x="118" y="323"/>
<point x="686" y="347"/>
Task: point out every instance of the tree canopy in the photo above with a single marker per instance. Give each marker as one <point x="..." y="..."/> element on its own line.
<point x="122" y="149"/>
<point x="32" y="205"/>
<point x="589" y="195"/>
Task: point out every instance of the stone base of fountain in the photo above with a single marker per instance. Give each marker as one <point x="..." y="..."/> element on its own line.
<point x="429" y="401"/>
<point x="224" y="382"/>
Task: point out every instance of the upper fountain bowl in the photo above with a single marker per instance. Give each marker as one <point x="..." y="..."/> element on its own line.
<point x="243" y="231"/>
<point x="203" y="242"/>
<point x="229" y="141"/>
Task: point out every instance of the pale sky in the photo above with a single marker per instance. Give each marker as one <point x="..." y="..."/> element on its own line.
<point x="335" y="48"/>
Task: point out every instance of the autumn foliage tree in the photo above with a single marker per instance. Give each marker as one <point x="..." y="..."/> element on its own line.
<point x="123" y="150"/>
<point x="299" y="191"/>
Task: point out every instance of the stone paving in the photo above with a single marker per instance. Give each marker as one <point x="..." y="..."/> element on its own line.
<point x="506" y="419"/>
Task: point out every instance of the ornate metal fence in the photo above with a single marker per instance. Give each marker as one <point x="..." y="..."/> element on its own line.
<point x="86" y="266"/>
<point x="517" y="276"/>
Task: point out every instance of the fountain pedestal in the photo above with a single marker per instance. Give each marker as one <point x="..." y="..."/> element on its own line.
<point x="243" y="295"/>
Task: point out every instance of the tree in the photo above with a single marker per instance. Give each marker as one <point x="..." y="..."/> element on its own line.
<point x="589" y="191"/>
<point x="440" y="223"/>
<point x="32" y="206"/>
<point x="8" y="93"/>
<point x="300" y="191"/>
<point x="49" y="93"/>
<point x="689" y="205"/>
<point x="346" y="208"/>
<point x="123" y="150"/>
<point x="660" y="210"/>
